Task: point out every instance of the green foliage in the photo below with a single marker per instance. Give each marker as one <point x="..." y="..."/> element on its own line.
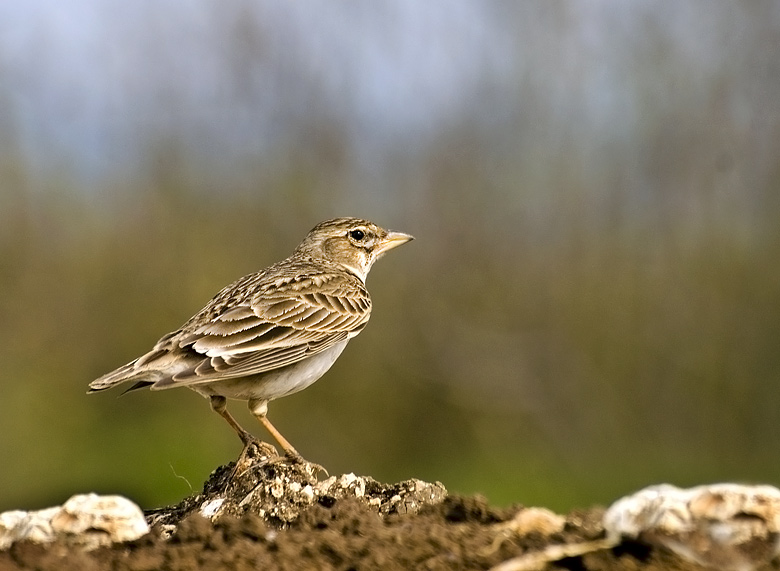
<point x="561" y="363"/>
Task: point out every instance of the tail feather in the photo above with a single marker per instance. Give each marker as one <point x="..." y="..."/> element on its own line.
<point x="147" y="370"/>
<point x="121" y="375"/>
<point x="138" y="385"/>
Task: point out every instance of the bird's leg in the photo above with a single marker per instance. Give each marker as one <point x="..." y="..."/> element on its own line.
<point x="259" y="409"/>
<point x="252" y="446"/>
<point x="219" y="405"/>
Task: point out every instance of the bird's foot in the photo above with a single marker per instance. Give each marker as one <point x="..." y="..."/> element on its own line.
<point x="258" y="452"/>
<point x="294" y="457"/>
<point x="255" y="451"/>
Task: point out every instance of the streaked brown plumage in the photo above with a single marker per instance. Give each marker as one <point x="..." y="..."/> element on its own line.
<point x="271" y="333"/>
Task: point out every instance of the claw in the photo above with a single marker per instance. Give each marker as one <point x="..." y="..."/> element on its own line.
<point x="253" y="450"/>
<point x="296" y="458"/>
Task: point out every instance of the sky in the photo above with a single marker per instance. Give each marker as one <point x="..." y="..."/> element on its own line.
<point x="89" y="85"/>
<point x="90" y="80"/>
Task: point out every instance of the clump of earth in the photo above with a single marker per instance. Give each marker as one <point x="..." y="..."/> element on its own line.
<point x="268" y="512"/>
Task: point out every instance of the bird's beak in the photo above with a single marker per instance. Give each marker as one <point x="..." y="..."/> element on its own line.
<point x="393" y="240"/>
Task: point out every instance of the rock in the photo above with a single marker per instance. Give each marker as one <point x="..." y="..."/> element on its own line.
<point x="88" y="521"/>
<point x="535" y="520"/>
<point x="728" y="526"/>
<point x="731" y="527"/>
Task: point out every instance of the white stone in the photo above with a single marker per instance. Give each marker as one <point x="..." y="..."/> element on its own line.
<point x="86" y="520"/>
<point x="210" y="509"/>
<point x="276" y="489"/>
<point x="347" y="479"/>
<point x="538" y="520"/>
<point x="709" y="525"/>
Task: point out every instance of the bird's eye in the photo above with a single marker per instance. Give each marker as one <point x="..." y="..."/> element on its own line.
<point x="357" y="235"/>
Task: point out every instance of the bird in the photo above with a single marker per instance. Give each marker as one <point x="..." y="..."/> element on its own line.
<point x="271" y="333"/>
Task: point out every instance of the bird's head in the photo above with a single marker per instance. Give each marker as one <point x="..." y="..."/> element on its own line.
<point x="351" y="242"/>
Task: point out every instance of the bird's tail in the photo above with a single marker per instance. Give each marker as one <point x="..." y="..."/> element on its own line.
<point x="121" y="375"/>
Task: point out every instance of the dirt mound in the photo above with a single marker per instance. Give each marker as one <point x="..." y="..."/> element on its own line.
<point x="265" y="512"/>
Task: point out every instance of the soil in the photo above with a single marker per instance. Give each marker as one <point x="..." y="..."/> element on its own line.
<point x="267" y="512"/>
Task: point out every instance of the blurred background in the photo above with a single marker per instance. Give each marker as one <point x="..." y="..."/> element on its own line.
<point x="592" y="303"/>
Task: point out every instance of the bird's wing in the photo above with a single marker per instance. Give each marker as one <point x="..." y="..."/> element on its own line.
<point x="284" y="322"/>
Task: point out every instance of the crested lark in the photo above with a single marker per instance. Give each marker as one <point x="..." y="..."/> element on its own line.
<point x="271" y="333"/>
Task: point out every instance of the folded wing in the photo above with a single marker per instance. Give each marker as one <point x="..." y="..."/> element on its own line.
<point x="286" y="322"/>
